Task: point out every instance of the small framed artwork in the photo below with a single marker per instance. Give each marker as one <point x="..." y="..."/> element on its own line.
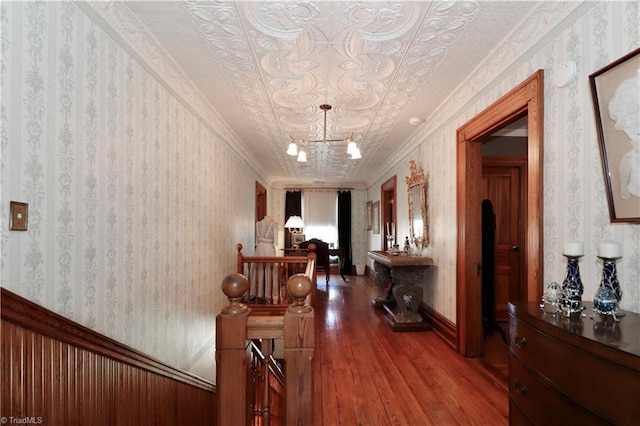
<point x="368" y="213"/>
<point x="616" y="104"/>
<point x="375" y="217"/>
<point x="296" y="239"/>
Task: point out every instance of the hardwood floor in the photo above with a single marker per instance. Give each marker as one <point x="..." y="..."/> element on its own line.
<point x="496" y="354"/>
<point x="365" y="374"/>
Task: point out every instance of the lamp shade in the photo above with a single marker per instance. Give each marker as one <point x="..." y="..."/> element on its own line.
<point x="356" y="154"/>
<point x="302" y="156"/>
<point x="351" y="147"/>
<point x="293" y="149"/>
<point x="294" y="224"/>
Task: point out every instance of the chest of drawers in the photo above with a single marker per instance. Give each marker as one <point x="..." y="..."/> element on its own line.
<point x="572" y="371"/>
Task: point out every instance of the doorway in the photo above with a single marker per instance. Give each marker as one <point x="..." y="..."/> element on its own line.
<point x="504" y="185"/>
<point x="388" y="197"/>
<point x="525" y="99"/>
<point x="261" y="202"/>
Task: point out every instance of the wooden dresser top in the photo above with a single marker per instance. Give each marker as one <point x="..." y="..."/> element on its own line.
<point x="600" y="337"/>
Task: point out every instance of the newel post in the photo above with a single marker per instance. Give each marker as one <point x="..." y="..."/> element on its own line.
<point x="231" y="359"/>
<point x="298" y="352"/>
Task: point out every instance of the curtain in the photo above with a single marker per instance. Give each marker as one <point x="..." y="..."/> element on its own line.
<point x="321" y="216"/>
<point x="344" y="228"/>
<point x="292" y="207"/>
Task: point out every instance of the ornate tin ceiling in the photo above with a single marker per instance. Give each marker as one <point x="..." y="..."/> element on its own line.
<point x="265" y="67"/>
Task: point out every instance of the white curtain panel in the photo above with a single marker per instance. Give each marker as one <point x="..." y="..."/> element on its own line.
<point x="321" y="215"/>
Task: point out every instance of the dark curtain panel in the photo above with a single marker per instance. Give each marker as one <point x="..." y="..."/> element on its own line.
<point x="344" y="228"/>
<point x="292" y="207"/>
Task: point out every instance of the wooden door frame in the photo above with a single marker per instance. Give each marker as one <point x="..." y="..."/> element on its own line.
<point x="527" y="98"/>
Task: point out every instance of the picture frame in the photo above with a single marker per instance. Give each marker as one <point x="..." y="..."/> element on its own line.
<point x="614" y="91"/>
<point x="369" y="218"/>
<point x="296" y="239"/>
<point x="375" y="217"/>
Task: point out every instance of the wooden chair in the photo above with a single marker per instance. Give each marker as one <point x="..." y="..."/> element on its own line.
<point x="322" y="255"/>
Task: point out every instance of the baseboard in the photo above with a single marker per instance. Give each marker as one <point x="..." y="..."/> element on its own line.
<point x="441" y="325"/>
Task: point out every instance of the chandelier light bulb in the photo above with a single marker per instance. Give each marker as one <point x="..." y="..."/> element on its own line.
<point x="293" y="149"/>
<point x="302" y="157"/>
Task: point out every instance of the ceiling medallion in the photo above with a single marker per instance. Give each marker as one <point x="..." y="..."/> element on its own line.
<point x="352" y="147"/>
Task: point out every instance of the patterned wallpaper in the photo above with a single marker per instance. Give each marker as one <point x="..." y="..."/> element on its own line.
<point x="575" y="205"/>
<point x="135" y="203"/>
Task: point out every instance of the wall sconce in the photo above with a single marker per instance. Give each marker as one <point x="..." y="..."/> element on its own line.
<point x="294" y="224"/>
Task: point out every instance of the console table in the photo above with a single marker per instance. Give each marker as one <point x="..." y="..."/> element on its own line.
<point x="405" y="292"/>
<point x="574" y="370"/>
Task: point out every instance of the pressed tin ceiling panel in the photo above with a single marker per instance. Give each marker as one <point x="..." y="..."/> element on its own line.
<point x="265" y="67"/>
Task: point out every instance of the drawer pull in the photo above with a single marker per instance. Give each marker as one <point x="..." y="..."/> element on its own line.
<point x="520" y="342"/>
<point x="522" y="390"/>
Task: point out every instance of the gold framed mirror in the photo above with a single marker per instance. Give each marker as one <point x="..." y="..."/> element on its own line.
<point x="417" y="196"/>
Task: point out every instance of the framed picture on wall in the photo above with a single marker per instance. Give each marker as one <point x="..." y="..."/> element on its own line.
<point x="616" y="104"/>
<point x="368" y="213"/>
<point x="296" y="239"/>
<point x="375" y="217"/>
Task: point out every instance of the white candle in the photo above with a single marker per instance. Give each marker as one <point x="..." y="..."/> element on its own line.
<point x="609" y="250"/>
<point x="574" y="248"/>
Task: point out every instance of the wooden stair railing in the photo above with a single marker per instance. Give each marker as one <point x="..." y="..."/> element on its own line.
<point x="236" y="327"/>
<point x="268" y="275"/>
<point x="266" y="385"/>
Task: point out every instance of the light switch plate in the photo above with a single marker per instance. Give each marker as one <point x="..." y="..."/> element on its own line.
<point x="19" y="216"/>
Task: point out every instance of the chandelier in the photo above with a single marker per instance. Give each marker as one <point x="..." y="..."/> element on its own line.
<point x="352" y="147"/>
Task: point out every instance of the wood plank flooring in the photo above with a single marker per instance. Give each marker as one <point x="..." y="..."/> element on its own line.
<point x="367" y="375"/>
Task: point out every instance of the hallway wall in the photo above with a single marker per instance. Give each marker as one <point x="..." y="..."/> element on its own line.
<point x="592" y="34"/>
<point x="135" y="202"/>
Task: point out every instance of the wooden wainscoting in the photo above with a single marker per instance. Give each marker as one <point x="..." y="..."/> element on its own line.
<point x="62" y="373"/>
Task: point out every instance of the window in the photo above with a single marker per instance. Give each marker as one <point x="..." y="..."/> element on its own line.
<point x="321" y="216"/>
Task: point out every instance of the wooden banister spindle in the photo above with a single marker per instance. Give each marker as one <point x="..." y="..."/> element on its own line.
<point x="231" y="360"/>
<point x="266" y="391"/>
<point x="240" y="258"/>
<point x="298" y="353"/>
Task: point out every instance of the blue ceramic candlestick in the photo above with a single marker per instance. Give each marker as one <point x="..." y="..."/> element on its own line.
<point x="609" y="293"/>
<point x="572" y="278"/>
<point x="572" y="287"/>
